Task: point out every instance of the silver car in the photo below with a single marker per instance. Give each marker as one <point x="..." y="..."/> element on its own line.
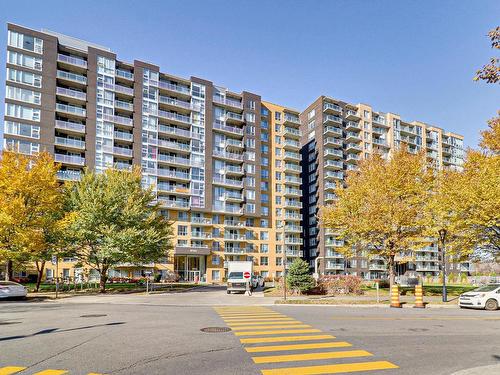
<point x="10" y="289"/>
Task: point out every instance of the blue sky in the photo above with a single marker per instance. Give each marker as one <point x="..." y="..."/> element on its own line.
<point x="414" y="58"/>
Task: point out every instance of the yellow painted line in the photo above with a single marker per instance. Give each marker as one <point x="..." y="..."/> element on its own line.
<point x="265" y="322"/>
<point x="311" y="356"/>
<point x="51" y="372"/>
<point x="279" y="348"/>
<point x="94" y="373"/>
<point x="272" y="319"/>
<point x="251" y="314"/>
<point x="262" y="340"/>
<point x="276" y="332"/>
<point x="332" y="369"/>
<point x="10" y="370"/>
<point x="296" y="325"/>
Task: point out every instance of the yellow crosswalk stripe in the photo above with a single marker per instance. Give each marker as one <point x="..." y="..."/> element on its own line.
<point x="279" y="348"/>
<point x="276" y="332"/>
<point x="266" y="322"/>
<point x="51" y="372"/>
<point x="262" y="340"/>
<point x="296" y="325"/>
<point x="271" y="319"/>
<point x="10" y="370"/>
<point x="331" y="369"/>
<point x="94" y="373"/>
<point x="311" y="356"/>
<point x="233" y="315"/>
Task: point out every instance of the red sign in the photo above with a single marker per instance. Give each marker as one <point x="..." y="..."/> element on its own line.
<point x="246" y="275"/>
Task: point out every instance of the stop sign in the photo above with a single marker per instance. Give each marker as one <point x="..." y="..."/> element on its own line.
<point x="246" y="275"/>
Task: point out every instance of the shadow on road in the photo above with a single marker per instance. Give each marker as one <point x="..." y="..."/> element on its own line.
<point x="57" y="330"/>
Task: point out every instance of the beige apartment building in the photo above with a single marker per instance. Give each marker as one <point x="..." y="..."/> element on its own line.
<point x="241" y="178"/>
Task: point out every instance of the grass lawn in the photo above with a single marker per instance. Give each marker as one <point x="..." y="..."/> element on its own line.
<point x="112" y="287"/>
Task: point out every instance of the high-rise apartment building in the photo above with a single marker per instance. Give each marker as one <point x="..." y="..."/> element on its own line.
<point x="240" y="178"/>
<point x="335" y="136"/>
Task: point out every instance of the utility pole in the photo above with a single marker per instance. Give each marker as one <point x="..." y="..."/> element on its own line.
<point x="442" y="236"/>
<point x="284" y="274"/>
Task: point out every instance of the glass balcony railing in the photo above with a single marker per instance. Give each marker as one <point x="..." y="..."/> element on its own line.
<point x="72" y="60"/>
<point x="124" y="136"/>
<point x="228" y="102"/>
<point x="60" y="141"/>
<point x="72" y="77"/>
<point x="174" y="87"/>
<point x="69" y="175"/>
<point x="71" y="93"/>
<point x="230" y="129"/>
<point x="124" y="74"/>
<point x="66" y="108"/>
<point x="69" y="159"/>
<point x="71" y="126"/>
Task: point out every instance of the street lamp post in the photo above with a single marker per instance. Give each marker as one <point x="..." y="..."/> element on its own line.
<point x="442" y="236"/>
<point x="284" y="274"/>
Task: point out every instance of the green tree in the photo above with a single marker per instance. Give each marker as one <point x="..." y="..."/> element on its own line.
<point x="379" y="210"/>
<point x="298" y="276"/>
<point x="114" y="220"/>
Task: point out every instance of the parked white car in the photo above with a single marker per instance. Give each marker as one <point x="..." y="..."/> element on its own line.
<point x="10" y="289"/>
<point x="486" y="297"/>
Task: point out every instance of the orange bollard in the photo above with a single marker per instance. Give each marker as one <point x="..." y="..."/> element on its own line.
<point x="419" y="297"/>
<point x="395" y="296"/>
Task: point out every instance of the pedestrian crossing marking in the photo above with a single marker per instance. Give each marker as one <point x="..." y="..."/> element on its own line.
<point x="51" y="372"/>
<point x="296" y="325"/>
<point x="332" y="369"/>
<point x="262" y="340"/>
<point x="9" y="370"/>
<point x="279" y="348"/>
<point x="277" y="319"/>
<point x="256" y="315"/>
<point x="311" y="356"/>
<point x="266" y="322"/>
<point x="276" y="332"/>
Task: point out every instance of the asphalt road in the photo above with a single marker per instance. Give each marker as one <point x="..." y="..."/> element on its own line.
<point x="161" y="334"/>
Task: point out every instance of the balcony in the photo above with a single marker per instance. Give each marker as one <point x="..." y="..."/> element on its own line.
<point x="352" y="136"/>
<point x="235" y="250"/>
<point x="334" y="266"/>
<point x="174" y="160"/>
<point x="69" y="159"/>
<point x="174" y="189"/>
<point x="227" y="155"/>
<point x="175" y="117"/>
<point x="221" y="180"/>
<point x="234" y="237"/>
<point x="334" y="243"/>
<point x="293" y="228"/>
<point x="177" y="175"/>
<point x="123" y="166"/>
<point x="233" y="210"/>
<point x="352" y="115"/>
<point x="291" y="132"/>
<point x="292" y="204"/>
<point x="380" y="142"/>
<point x="291" y="119"/>
<point x="234" y="223"/>
<point x="422" y="267"/>
<point x="293" y="241"/>
<point x="377" y="267"/>
<point x="335" y="142"/>
<point x="292" y="168"/>
<point x="233" y="196"/>
<point x="232" y="130"/>
<point x="333" y="254"/>
<point x="293" y="253"/>
<point x="351" y="125"/>
<point x="293" y="180"/>
<point x="175" y="103"/>
<point x="201" y="235"/>
<point x="289" y="155"/>
<point x="127" y="121"/>
<point x="228" y="102"/>
<point x="333" y="164"/>
<point x="71" y="110"/>
<point x="292" y="192"/>
<point x="234" y="118"/>
<point x="71" y="60"/>
<point x="70" y="126"/>
<point x="330" y="186"/>
<point x="201" y="221"/>
<point x="291" y="144"/>
<point x="70" y="143"/>
<point x="329" y="197"/>
<point x="122" y="136"/>
<point x="127" y="106"/>
<point x="124" y="90"/>
<point x="69" y="175"/>
<point x="72" y="77"/>
<point x="332" y="108"/>
<point x="330" y="119"/>
<point x="332" y="130"/>
<point x="170" y="203"/>
<point x="176" y="146"/>
<point x="124" y="74"/>
<point x="233" y="143"/>
<point x="170" y="130"/>
<point x="70" y="94"/>
<point x="122" y="151"/>
<point x="337" y="175"/>
<point x="233" y="169"/>
<point x="352" y="158"/>
<point x="175" y="88"/>
<point x="293" y="216"/>
<point x="332" y="153"/>
<point x="379" y="120"/>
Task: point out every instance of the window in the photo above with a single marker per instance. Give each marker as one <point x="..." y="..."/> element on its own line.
<point x="22" y="112"/>
<point x="277" y="116"/>
<point x="250" y="208"/>
<point x="250" y="117"/>
<point x="215" y="260"/>
<point x="277" y="139"/>
<point x="311" y="114"/>
<point x="26" y="78"/>
<point x="264" y="223"/>
<point x="264" y="248"/>
<point x="215" y="275"/>
<point x="264" y="261"/>
<point x="310" y="135"/>
<point x="264" y="185"/>
<point x="182" y="216"/>
<point x="25" y="130"/>
<point x="279" y="262"/>
<point x="250" y="168"/>
<point x="19" y="59"/>
<point x="250" y="129"/>
<point x="250" y="142"/>
<point x="23" y="147"/>
<point x="250" y="181"/>
<point x="264" y="173"/>
<point x="366" y="114"/>
<point x="250" y="194"/>
<point x="264" y="111"/>
<point x="24" y="95"/>
<point x="26" y="42"/>
<point x="251" y="104"/>
<point x="182" y="230"/>
<point x="264" y="236"/>
<point x="311" y="125"/>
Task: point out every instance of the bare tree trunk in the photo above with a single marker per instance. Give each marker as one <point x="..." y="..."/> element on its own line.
<point x="8" y="270"/>
<point x="392" y="275"/>
<point x="40" y="266"/>
<point x="102" y="280"/>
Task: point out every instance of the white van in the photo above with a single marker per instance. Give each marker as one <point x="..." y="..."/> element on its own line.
<point x="236" y="280"/>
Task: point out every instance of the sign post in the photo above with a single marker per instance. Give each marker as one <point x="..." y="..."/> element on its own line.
<point x="246" y="276"/>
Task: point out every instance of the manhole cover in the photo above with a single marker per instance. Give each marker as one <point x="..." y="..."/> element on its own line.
<point x="215" y="329"/>
<point x="93" y="315"/>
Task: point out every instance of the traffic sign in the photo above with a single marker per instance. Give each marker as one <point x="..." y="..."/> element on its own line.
<point x="246" y="275"/>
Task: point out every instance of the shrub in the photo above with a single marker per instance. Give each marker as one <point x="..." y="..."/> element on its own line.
<point x="299" y="278"/>
<point x="341" y="284"/>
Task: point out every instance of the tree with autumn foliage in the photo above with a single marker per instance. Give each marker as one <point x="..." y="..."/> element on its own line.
<point x="30" y="200"/>
<point x="112" y="219"/>
<point x="379" y="210"/>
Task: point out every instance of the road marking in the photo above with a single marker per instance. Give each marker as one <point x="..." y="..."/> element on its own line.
<point x="332" y="369"/>
<point x="296" y="325"/>
<point x="10" y="370"/>
<point x="311" y="356"/>
<point x="413" y="318"/>
<point x="261" y="340"/>
<point x="258" y="320"/>
<point x="250" y="315"/>
<point x="51" y="372"/>
<point x="279" y="348"/>
<point x="266" y="322"/>
<point x="276" y="332"/>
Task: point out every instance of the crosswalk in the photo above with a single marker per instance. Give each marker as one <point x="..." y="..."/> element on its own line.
<point x="10" y="370"/>
<point x="276" y="340"/>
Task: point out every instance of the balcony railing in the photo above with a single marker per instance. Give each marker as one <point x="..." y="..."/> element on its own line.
<point x="173" y="203"/>
<point x="124" y="74"/>
<point x="227" y="181"/>
<point x="333" y="107"/>
<point x="124" y="136"/>
<point x="124" y="90"/>
<point x="174" y="159"/>
<point x="69" y="159"/>
<point x="331" y="118"/>
<point x="71" y="93"/>
<point x="125" y="105"/>
<point x="228" y="155"/>
<point x="173" y="174"/>
<point x="72" y="126"/>
<point x="72" y="77"/>
<point x="201" y="220"/>
<point x="292" y="119"/>
<point x="66" y="108"/>
<point x="69" y="175"/>
<point x="175" y="102"/>
<point x="122" y="151"/>
<point x="118" y="119"/>
<point x="230" y="129"/>
<point x="174" y="145"/>
<point x="227" y="101"/>
<point x="72" y="60"/>
<point x="60" y="141"/>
